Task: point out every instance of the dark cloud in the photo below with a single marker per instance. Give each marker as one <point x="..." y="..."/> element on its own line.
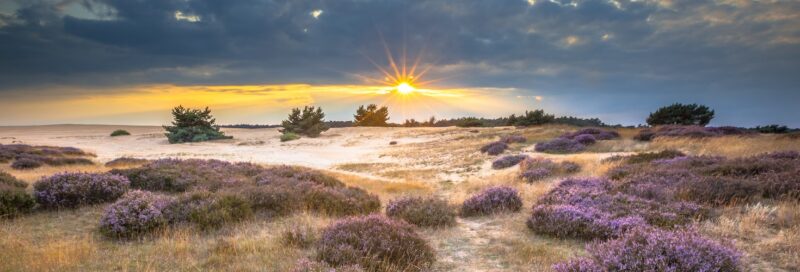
<point x="624" y="52"/>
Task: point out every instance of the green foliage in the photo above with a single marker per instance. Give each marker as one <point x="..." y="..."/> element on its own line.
<point x="289" y="136"/>
<point x="13" y="198"/>
<point x="530" y="118"/>
<point x="193" y="125"/>
<point x="469" y="122"/>
<point x="371" y="116"/>
<point x="120" y="132"/>
<point x="680" y="114"/>
<point x="309" y="122"/>
<point x="772" y="129"/>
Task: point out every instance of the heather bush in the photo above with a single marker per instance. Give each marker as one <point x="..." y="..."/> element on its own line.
<point x="341" y="201"/>
<point x="120" y="132"/>
<point x="689" y="131"/>
<point x="492" y="200"/>
<point x="273" y="200"/>
<point x="175" y="175"/>
<point x="560" y="146"/>
<point x="535" y="169"/>
<point x="69" y="190"/>
<point x="14" y="200"/>
<point x="585" y="139"/>
<point x="423" y="212"/>
<point x="494" y="148"/>
<point x="126" y="162"/>
<point x="594" y="209"/>
<point x="657" y="250"/>
<point x="652" y="156"/>
<point x="307" y="265"/>
<point x="24" y="163"/>
<point x="193" y="125"/>
<point x="570" y="167"/>
<point x="296" y="173"/>
<point x="595" y="133"/>
<point x="508" y="161"/>
<point x="137" y="212"/>
<point x="721" y="191"/>
<point x="208" y="210"/>
<point x="510" y="139"/>
<point x="375" y="243"/>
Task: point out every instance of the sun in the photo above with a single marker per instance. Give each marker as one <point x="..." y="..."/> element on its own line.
<point x="404" y="88"/>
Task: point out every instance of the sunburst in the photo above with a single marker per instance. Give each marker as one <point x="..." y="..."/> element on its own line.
<point x="401" y="78"/>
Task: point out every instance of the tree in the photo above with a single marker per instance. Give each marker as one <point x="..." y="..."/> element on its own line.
<point x="469" y="122"/>
<point x="193" y="125"/>
<point x="680" y="114"/>
<point x="531" y="118"/>
<point x="310" y="121"/>
<point x="371" y="116"/>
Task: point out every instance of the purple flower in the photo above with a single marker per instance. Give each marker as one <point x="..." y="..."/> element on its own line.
<point x="75" y="189"/>
<point x="492" y="200"/>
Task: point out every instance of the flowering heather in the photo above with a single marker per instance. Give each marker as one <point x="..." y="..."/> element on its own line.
<point x="590" y="209"/>
<point x="657" y="250"/>
<point x="29" y="157"/>
<point x="508" y="161"/>
<point x="296" y="173"/>
<point x="569" y="167"/>
<point x="307" y="265"/>
<point x="585" y="139"/>
<point x="531" y="175"/>
<point x="689" y="131"/>
<point x="137" y="212"/>
<point x="510" y="139"/>
<point x="24" y="163"/>
<point x="492" y="200"/>
<point x="13" y="198"/>
<point x="535" y="169"/>
<point x="596" y="133"/>
<point x="375" y="243"/>
<point x="423" y="212"/>
<point x="69" y="190"/>
<point x="494" y="148"/>
<point x="341" y="201"/>
<point x="175" y="175"/>
<point x="560" y="146"/>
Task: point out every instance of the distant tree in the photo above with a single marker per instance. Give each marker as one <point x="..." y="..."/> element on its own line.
<point x="773" y="129"/>
<point x="193" y="125"/>
<point x="310" y="121"/>
<point x="581" y="122"/>
<point x="680" y="114"/>
<point x="411" y="123"/>
<point x="512" y="120"/>
<point x="531" y="118"/>
<point x="469" y="122"/>
<point x="371" y="116"/>
<point x="431" y="122"/>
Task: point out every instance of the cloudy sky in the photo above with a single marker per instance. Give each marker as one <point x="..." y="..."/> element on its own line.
<point x="128" y="62"/>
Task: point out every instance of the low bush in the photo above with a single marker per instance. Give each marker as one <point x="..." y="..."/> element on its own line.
<point x="273" y="200"/>
<point x="126" y="162"/>
<point x="595" y="209"/>
<point x="560" y="146"/>
<point x="375" y="243"/>
<point x="289" y="136"/>
<point x="508" y="161"/>
<point x="136" y="213"/>
<point x="208" y="210"/>
<point x="120" y="132"/>
<point x="689" y="131"/>
<point x="569" y="167"/>
<point x="535" y="169"/>
<point x="585" y="139"/>
<point x="596" y="133"/>
<point x="341" y="201"/>
<point x="308" y="265"/>
<point x="25" y="163"/>
<point x="423" y="212"/>
<point x="510" y="139"/>
<point x="494" y="148"/>
<point x="175" y="175"/>
<point x="492" y="200"/>
<point x="647" y="157"/>
<point x="285" y="173"/>
<point x="657" y="250"/>
<point x="69" y="190"/>
<point x="14" y="201"/>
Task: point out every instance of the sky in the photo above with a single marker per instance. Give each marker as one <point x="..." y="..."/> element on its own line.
<point x="250" y="61"/>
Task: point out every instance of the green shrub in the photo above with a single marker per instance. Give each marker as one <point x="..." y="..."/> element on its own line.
<point x="309" y="122"/>
<point x="289" y="136"/>
<point x="120" y="132"/>
<point x="14" y="200"/>
<point x="530" y="118"/>
<point x="680" y="114"/>
<point x="193" y="125"/>
<point x="371" y="116"/>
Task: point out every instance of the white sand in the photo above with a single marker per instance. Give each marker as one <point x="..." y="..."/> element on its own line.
<point x="335" y="146"/>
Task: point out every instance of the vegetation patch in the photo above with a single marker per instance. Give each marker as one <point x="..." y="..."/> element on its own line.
<point x="492" y="200"/>
<point x="535" y="169"/>
<point x="29" y="157"/>
<point x="193" y="125"/>
<point x="422" y="211"/>
<point x="120" y="132"/>
<point x="14" y="201"/>
<point x="136" y="213"/>
<point x="375" y="243"/>
<point x="70" y="190"/>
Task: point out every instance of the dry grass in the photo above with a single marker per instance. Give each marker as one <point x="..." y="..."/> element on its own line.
<point x="729" y="146"/>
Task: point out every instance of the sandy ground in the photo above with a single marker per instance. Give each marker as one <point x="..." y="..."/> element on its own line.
<point x="336" y="146"/>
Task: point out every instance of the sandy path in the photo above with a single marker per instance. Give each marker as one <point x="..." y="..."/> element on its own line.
<point x="336" y="146"/>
